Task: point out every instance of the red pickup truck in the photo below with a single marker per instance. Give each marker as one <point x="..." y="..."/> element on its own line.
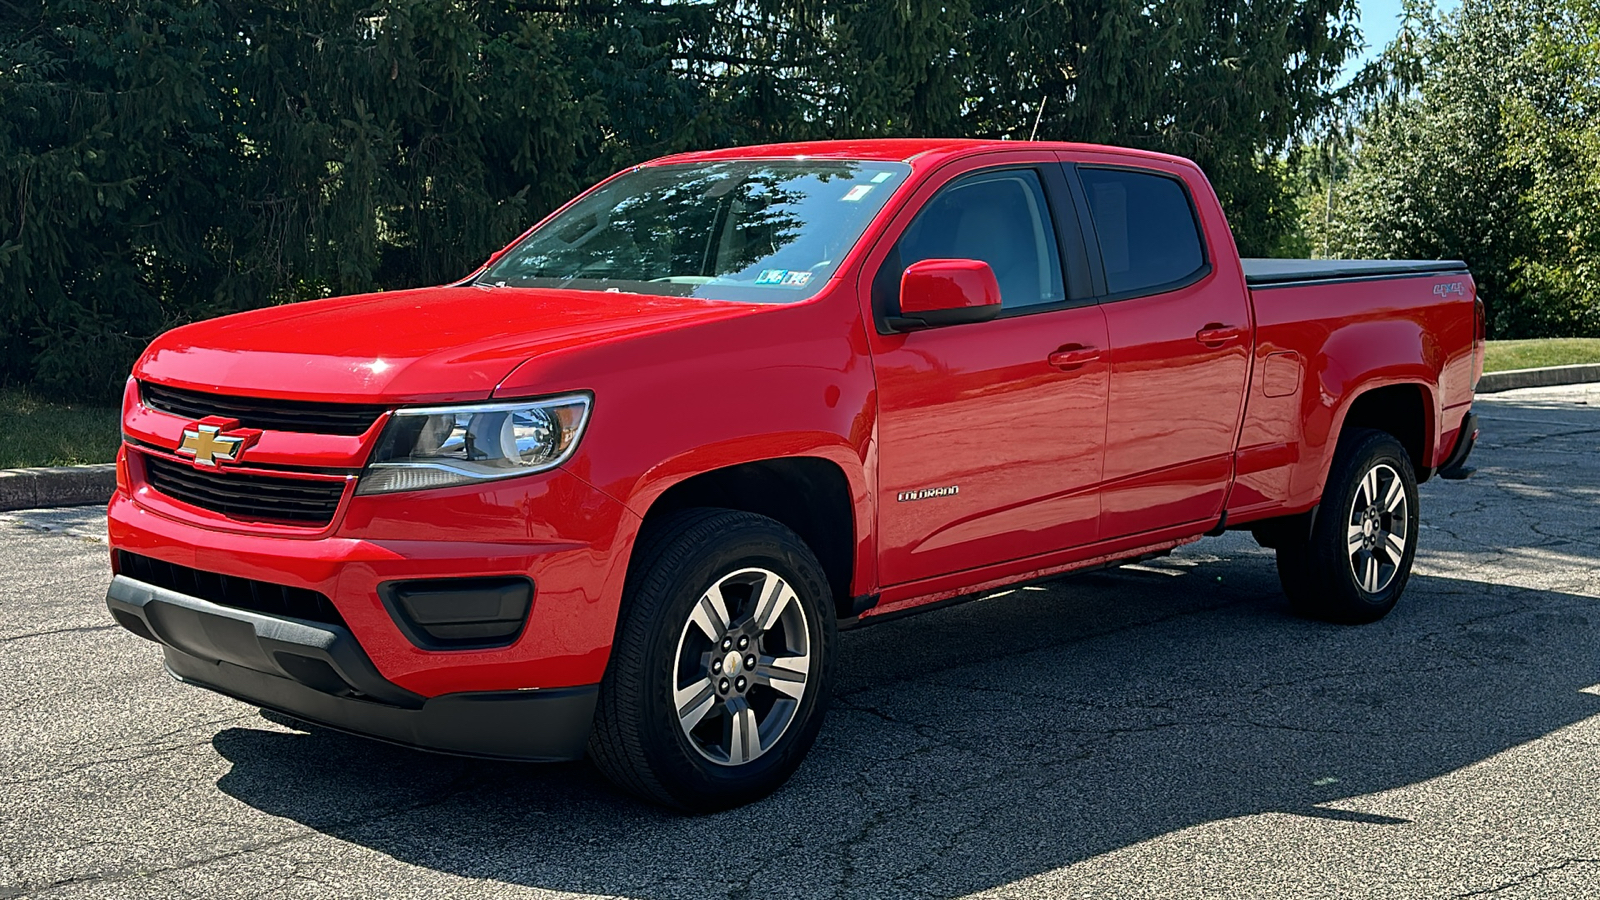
<point x="617" y="491"/>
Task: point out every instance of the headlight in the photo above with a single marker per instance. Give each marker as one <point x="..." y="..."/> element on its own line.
<point x="447" y="445"/>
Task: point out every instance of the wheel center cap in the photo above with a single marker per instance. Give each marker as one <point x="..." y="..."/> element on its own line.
<point x="733" y="663"/>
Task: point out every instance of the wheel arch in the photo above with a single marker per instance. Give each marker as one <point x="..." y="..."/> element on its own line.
<point x="1404" y="409"/>
<point x="810" y="495"/>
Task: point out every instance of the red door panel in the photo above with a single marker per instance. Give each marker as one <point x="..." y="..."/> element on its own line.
<point x="981" y="408"/>
<point x="1179" y="363"/>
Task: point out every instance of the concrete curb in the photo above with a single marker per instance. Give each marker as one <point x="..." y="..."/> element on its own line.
<point x="1494" y="382"/>
<point x="56" y="486"/>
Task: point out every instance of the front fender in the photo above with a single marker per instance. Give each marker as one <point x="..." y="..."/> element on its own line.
<point x="777" y="382"/>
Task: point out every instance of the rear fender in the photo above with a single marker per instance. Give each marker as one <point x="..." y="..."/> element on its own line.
<point x="1358" y="360"/>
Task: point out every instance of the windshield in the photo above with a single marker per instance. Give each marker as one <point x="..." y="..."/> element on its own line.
<point x="768" y="231"/>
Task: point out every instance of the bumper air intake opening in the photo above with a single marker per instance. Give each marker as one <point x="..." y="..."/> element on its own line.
<point x="459" y="613"/>
<point x="263" y="597"/>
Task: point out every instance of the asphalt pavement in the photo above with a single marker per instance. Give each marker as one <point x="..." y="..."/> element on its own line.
<point x="1165" y="730"/>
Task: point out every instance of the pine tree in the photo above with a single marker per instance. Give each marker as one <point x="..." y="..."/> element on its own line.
<point x="165" y="160"/>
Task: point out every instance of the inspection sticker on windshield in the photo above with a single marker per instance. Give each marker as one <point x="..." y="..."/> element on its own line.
<point x="881" y="177"/>
<point x="857" y="192"/>
<point x="772" y="276"/>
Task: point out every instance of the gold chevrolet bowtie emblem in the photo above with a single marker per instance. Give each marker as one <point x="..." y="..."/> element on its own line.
<point x="207" y="445"/>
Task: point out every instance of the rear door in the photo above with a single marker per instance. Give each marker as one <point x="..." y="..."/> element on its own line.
<point x="989" y="433"/>
<point x="1179" y="326"/>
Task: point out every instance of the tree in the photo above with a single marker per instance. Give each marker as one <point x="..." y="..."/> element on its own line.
<point x="164" y="160"/>
<point x="1553" y="133"/>
<point x="1489" y="156"/>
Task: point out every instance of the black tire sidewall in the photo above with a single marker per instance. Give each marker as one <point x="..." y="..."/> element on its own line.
<point x="665" y="597"/>
<point x="1344" y="599"/>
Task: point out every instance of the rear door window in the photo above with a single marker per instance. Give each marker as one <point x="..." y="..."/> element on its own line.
<point x="1146" y="225"/>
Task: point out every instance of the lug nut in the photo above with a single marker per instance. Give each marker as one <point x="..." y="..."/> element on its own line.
<point x="716" y="666"/>
<point x="727" y="643"/>
<point x="744" y="642"/>
<point x="750" y="661"/>
<point x="741" y="683"/>
<point x="723" y="685"/>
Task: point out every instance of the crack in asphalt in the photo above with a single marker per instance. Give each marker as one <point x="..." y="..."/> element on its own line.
<point x="454" y="788"/>
<point x="124" y="873"/>
<point x="1531" y="876"/>
<point x="79" y="629"/>
<point x="74" y="768"/>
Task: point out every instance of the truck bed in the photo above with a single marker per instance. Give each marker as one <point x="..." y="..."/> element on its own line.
<point x="1323" y="327"/>
<point x="1262" y="273"/>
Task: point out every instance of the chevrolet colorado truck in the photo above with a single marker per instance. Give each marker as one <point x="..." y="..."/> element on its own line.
<point x="616" y="492"/>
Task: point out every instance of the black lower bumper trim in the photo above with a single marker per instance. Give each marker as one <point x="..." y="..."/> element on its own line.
<point x="318" y="672"/>
<point x="547" y="725"/>
<point x="1455" y="468"/>
<point x="320" y="654"/>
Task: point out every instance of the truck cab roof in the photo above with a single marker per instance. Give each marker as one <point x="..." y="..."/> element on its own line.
<point x="906" y="150"/>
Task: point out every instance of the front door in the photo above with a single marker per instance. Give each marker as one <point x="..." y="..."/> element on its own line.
<point x="990" y="433"/>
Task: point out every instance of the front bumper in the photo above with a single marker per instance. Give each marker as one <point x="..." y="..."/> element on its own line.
<point x="553" y="530"/>
<point x="317" y="672"/>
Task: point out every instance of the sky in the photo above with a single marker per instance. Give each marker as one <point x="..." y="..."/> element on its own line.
<point x="1380" y="19"/>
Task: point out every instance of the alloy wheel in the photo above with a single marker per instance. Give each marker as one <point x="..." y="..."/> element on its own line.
<point x="742" y="665"/>
<point x="1377" y="528"/>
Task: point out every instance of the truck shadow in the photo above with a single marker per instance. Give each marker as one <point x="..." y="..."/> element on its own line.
<point x="975" y="746"/>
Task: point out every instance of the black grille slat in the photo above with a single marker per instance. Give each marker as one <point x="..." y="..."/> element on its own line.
<point x="198" y="484"/>
<point x="250" y="497"/>
<point x="264" y="413"/>
<point x="224" y="493"/>
<point x="263" y="597"/>
<point x="205" y="498"/>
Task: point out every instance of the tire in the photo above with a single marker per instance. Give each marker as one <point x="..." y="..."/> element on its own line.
<point x="742" y="732"/>
<point x="1354" y="564"/>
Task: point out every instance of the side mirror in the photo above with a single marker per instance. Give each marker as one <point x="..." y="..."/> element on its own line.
<point x="937" y="292"/>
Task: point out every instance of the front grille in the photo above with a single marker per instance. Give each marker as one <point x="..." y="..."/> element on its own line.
<point x="247" y="497"/>
<point x="262" y="413"/>
<point x="227" y="590"/>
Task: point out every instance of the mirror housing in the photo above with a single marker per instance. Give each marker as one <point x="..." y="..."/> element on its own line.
<point x="937" y="292"/>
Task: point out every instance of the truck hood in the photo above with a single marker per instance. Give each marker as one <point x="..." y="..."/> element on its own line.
<point x="427" y="345"/>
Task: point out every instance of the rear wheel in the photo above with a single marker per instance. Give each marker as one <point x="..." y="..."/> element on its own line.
<point x="719" y="677"/>
<point x="1354" y="563"/>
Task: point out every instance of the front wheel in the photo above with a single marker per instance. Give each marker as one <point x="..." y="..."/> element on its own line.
<point x="720" y="673"/>
<point x="1354" y="563"/>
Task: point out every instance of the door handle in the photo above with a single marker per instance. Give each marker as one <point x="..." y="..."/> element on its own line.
<point x="1216" y="334"/>
<point x="1073" y="356"/>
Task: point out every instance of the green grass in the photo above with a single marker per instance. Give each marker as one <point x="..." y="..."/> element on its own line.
<point x="1503" y="355"/>
<point x="36" y="432"/>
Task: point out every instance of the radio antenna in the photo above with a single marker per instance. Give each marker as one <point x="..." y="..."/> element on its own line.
<point x="1035" y="132"/>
